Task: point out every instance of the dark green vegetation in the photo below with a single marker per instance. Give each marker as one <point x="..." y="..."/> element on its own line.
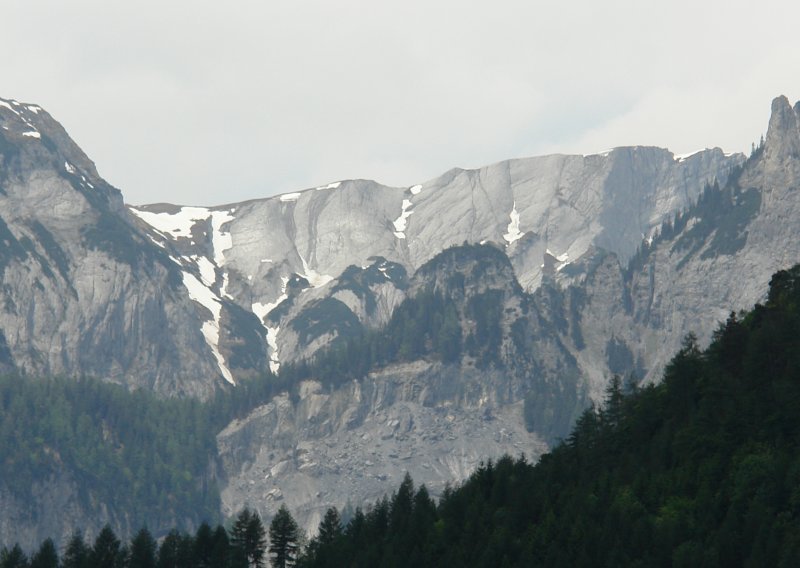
<point x="700" y="470"/>
<point x="134" y="452"/>
<point x="243" y="547"/>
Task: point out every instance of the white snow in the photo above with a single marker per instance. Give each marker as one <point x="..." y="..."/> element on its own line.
<point x="333" y="185"/>
<point x="32" y="134"/>
<point x="220" y="240"/>
<point x="210" y="329"/>
<point x="34" y="109"/>
<point x="401" y="222"/>
<point x="559" y="257"/>
<point x="290" y="197"/>
<point x="9" y="107"/>
<point x="314" y="278"/>
<point x="415" y="189"/>
<point x="69" y="167"/>
<point x="155" y="242"/>
<point x="176" y="225"/>
<point x="513" y="234"/>
<point x="206" y="267"/>
<point x="262" y="310"/>
<point x="272" y="342"/>
<point x="263" y="260"/>
<point x="223" y="290"/>
<point x="604" y="153"/>
<point x="682" y="157"/>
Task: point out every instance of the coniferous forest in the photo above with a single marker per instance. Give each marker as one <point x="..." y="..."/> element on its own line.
<point x="702" y="469"/>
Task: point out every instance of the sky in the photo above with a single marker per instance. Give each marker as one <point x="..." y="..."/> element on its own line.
<point x="206" y="103"/>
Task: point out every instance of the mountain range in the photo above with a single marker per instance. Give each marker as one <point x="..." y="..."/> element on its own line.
<point x="549" y="275"/>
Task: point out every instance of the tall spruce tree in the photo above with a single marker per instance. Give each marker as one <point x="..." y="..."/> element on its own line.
<point x="46" y="556"/>
<point x="284" y="539"/>
<point x="143" y="550"/>
<point x="249" y="537"/>
<point x="76" y="554"/>
<point x="107" y="551"/>
<point x="13" y="558"/>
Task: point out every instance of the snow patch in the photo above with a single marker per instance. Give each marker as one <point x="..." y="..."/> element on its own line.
<point x="415" y="189"/>
<point x="34" y="109"/>
<point x="272" y="342"/>
<point x="207" y="272"/>
<point x="559" y="257"/>
<point x="513" y="234"/>
<point x="314" y="278"/>
<point x="210" y="328"/>
<point x="220" y="240"/>
<point x="155" y="242"/>
<point x="9" y="107"/>
<point x="684" y="157"/>
<point x="32" y="134"/>
<point x="177" y="225"/>
<point x="289" y="197"/>
<point x="401" y="222"/>
<point x="262" y="310"/>
<point x="223" y="290"/>
<point x="333" y="185"/>
<point x="69" y="167"/>
<point x="263" y="260"/>
<point x="604" y="153"/>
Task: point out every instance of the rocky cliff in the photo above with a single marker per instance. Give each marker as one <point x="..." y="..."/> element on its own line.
<point x="561" y="271"/>
<point x="86" y="292"/>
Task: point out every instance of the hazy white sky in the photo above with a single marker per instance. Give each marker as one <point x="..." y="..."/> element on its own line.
<point x="210" y="102"/>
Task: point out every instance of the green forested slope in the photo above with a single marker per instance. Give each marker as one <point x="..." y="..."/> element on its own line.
<point x="700" y="470"/>
<point x="145" y="458"/>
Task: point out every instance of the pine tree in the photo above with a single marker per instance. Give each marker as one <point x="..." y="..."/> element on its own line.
<point x="248" y="536"/>
<point x="107" y="551"/>
<point x="13" y="558"/>
<point x="175" y="551"/>
<point x="143" y="550"/>
<point x="203" y="546"/>
<point x="76" y="554"/>
<point x="330" y="528"/>
<point x="284" y="537"/>
<point x="46" y="557"/>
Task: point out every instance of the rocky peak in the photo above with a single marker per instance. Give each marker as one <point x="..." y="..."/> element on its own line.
<point x="783" y="134"/>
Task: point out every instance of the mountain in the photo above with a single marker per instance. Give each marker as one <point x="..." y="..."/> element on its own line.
<point x="546" y="213"/>
<point x="423" y="328"/>
<point x="700" y="470"/>
<point x="85" y="292"/>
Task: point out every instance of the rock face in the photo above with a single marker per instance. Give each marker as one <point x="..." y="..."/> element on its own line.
<point x="85" y="292"/>
<point x="352" y="445"/>
<point x="590" y="266"/>
<point x="546" y="212"/>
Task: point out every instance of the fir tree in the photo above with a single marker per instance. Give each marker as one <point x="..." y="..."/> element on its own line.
<point x="249" y="537"/>
<point x="284" y="537"/>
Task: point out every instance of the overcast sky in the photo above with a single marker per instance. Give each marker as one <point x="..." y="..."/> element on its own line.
<point x="198" y="102"/>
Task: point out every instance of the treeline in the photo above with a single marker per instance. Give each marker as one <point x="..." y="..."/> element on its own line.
<point x="700" y="470"/>
<point x="243" y="547"/>
<point x="139" y="454"/>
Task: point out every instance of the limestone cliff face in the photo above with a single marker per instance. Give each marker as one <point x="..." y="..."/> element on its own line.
<point x="84" y="291"/>
<point x="719" y="260"/>
<point x="185" y="300"/>
<point x="333" y="446"/>
<point x="545" y="212"/>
